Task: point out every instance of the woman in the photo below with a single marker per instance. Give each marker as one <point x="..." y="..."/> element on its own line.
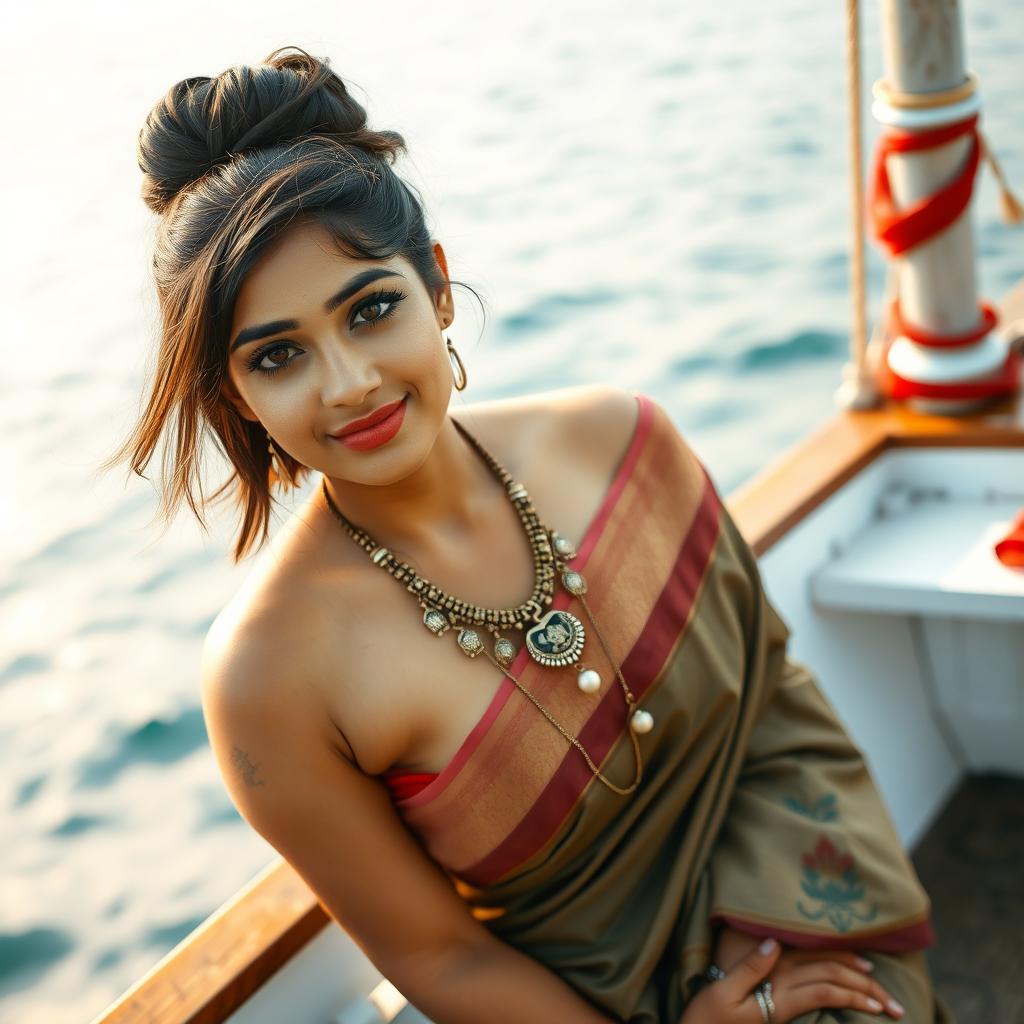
<point x="634" y="780"/>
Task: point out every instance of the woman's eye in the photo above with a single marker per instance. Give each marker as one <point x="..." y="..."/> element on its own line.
<point x="383" y="300"/>
<point x="380" y="305"/>
<point x="258" y="363"/>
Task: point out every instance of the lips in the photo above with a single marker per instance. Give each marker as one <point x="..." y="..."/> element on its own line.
<point x="368" y="421"/>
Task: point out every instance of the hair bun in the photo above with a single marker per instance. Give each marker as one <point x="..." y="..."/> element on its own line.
<point x="202" y="122"/>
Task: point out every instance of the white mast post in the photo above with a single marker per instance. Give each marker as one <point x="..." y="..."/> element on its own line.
<point x="923" y="53"/>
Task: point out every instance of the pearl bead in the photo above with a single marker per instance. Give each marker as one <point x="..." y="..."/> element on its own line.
<point x="589" y="681"/>
<point x="642" y="721"/>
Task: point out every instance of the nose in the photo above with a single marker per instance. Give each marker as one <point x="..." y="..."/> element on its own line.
<point x="348" y="375"/>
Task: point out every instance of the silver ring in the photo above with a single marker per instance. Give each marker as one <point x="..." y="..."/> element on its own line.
<point x="763" y="995"/>
<point x="762" y="1006"/>
<point x="715" y="973"/>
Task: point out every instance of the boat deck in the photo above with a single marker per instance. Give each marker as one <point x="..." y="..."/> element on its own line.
<point x="971" y="862"/>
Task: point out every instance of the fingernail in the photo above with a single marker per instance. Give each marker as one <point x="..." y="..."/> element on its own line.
<point x="894" y="1006"/>
<point x="874" y="1005"/>
<point x="768" y="946"/>
<point x="865" y="965"/>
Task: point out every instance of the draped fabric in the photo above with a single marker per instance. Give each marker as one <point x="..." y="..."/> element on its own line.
<point x="755" y="806"/>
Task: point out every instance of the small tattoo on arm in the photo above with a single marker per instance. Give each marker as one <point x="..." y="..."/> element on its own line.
<point x="240" y="759"/>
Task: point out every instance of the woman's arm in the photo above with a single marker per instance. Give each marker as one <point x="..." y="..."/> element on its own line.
<point x="503" y="986"/>
<point x="339" y="830"/>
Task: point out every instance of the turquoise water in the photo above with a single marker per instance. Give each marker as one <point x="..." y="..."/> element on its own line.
<point x="653" y="195"/>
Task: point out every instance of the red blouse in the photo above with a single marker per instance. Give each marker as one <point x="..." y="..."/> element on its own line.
<point x="404" y="784"/>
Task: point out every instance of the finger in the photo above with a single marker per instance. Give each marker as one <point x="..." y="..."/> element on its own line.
<point x="791" y="1002"/>
<point x="750" y="971"/>
<point x="837" y="974"/>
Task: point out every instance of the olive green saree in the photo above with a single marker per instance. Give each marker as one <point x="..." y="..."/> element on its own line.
<point x="755" y="807"/>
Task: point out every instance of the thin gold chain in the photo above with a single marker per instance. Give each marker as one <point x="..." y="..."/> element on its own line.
<point x="630" y="701"/>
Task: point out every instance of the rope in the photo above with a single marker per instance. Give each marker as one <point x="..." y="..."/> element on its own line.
<point x="883" y="91"/>
<point x="858" y="339"/>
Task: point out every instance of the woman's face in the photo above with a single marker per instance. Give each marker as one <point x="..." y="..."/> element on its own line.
<point x="304" y="370"/>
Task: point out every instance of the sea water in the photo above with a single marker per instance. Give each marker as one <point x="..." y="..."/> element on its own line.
<point x="653" y="195"/>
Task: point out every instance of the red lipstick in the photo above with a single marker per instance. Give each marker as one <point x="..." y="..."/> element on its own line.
<point x="374" y="430"/>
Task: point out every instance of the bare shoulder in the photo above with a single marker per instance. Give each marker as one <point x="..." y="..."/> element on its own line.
<point x="259" y="655"/>
<point x="245" y="662"/>
<point x="600" y="417"/>
<point x="601" y="420"/>
<point x="590" y="423"/>
<point x="594" y="426"/>
<point x="258" y="706"/>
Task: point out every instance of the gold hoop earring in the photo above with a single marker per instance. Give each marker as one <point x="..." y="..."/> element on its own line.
<point x="461" y="376"/>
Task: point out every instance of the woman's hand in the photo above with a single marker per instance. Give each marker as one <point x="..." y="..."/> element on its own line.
<point x="802" y="981"/>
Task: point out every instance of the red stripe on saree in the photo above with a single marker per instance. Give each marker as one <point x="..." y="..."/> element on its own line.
<point x="606" y="726"/>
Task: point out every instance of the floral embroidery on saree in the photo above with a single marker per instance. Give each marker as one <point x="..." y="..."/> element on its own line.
<point x="833" y="881"/>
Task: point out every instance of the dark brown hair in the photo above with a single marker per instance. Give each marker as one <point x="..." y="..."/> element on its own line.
<point x="229" y="163"/>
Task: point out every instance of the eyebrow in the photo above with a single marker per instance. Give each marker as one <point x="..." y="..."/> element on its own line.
<point x="357" y="283"/>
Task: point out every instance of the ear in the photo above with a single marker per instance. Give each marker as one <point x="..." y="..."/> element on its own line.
<point x="230" y="394"/>
<point x="443" y="300"/>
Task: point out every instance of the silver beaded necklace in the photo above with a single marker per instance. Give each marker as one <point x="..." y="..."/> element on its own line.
<point x="556" y="638"/>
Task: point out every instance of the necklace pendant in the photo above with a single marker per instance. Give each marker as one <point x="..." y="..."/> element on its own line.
<point x="557" y="639"/>
<point x="469" y="642"/>
<point x="504" y="651"/>
<point x="435" y="622"/>
<point x="574" y="582"/>
<point x="589" y="680"/>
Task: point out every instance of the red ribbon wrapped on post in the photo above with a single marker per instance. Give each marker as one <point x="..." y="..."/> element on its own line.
<point x="900" y="230"/>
